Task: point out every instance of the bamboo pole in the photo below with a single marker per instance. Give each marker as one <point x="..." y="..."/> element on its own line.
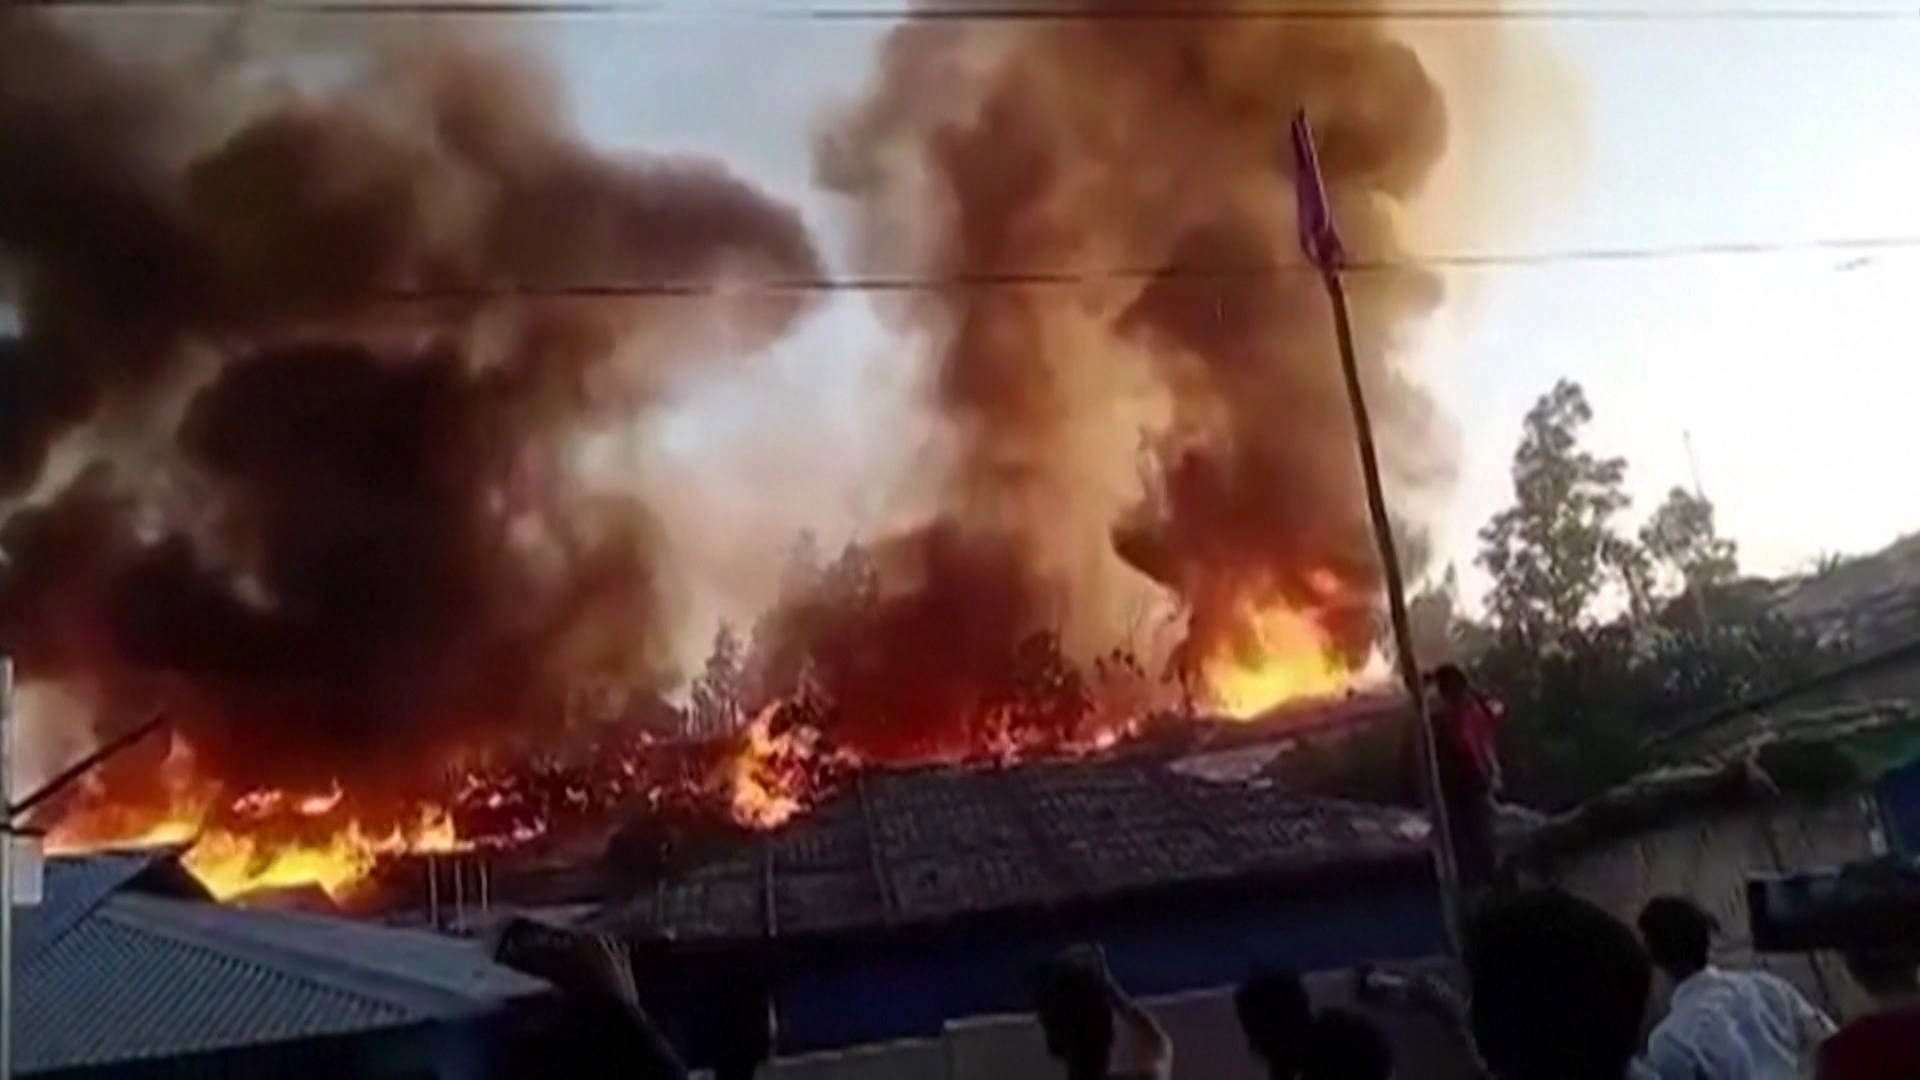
<point x="1321" y="244"/>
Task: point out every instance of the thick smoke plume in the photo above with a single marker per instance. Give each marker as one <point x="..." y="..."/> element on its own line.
<point x="291" y="438"/>
<point x="1166" y="407"/>
<point x="289" y="430"/>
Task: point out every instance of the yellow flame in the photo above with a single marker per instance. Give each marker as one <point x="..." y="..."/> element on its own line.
<point x="1287" y="657"/>
<point x="232" y="864"/>
<point x="759" y="799"/>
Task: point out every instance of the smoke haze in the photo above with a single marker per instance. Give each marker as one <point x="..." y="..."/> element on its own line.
<point x="295" y="407"/>
<point x="295" y="429"/>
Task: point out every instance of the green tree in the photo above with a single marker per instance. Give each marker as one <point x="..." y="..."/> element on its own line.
<point x="1580" y="714"/>
<point x="1441" y="632"/>
<point x="1681" y="538"/>
<point x="1634" y="567"/>
<point x="717" y="705"/>
<point x="1551" y="551"/>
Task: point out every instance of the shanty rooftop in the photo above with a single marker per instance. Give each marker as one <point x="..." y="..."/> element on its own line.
<point x="923" y="846"/>
<point x="127" y="960"/>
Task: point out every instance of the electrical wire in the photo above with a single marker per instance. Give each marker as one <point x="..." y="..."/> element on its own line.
<point x="999" y="11"/>
<point x="1857" y="247"/>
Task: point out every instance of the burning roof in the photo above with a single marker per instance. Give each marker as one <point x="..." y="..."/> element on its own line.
<point x="920" y="846"/>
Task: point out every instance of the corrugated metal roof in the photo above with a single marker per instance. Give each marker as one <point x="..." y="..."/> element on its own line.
<point x="929" y="844"/>
<point x="73" y="888"/>
<point x="117" y="975"/>
<point x="431" y="974"/>
<point x="114" y="992"/>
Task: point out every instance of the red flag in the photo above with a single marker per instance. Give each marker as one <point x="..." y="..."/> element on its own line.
<point x="1318" y="239"/>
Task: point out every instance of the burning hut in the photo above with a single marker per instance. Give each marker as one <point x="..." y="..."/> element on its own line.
<point x="918" y="897"/>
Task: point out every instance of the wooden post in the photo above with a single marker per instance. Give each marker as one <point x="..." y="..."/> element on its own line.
<point x="1321" y="244"/>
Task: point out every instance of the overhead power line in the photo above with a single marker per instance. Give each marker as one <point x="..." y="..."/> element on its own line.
<point x="1855" y="247"/>
<point x="985" y="12"/>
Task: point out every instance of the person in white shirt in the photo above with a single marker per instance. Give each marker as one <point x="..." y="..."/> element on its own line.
<point x="1722" y="1025"/>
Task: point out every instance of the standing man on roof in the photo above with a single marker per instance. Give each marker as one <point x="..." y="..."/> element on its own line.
<point x="1469" y="767"/>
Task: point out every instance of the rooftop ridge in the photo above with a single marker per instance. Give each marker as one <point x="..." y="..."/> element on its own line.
<point x="221" y="931"/>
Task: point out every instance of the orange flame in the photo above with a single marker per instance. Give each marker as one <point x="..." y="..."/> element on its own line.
<point x="1285" y="657"/>
<point x="231" y="861"/>
<point x="231" y="864"/>
<point x="765" y="772"/>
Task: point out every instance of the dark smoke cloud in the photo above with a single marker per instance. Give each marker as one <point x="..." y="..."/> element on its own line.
<point x="319" y="396"/>
<point x="1056" y="145"/>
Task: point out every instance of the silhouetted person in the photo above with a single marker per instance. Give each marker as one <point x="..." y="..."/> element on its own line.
<point x="1276" y="1014"/>
<point x="1558" y="988"/>
<point x="1468" y="761"/>
<point x="599" y="1028"/>
<point x="1093" y="1028"/>
<point x="1883" y="1044"/>
<point x="1344" y="1045"/>
<point x="744" y="1035"/>
<point x="1722" y="1025"/>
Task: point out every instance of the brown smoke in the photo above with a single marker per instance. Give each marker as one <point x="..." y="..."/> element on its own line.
<point x="296" y="403"/>
<point x="1147" y="151"/>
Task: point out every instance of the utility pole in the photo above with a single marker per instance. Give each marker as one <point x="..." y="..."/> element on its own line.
<point x="1321" y="244"/>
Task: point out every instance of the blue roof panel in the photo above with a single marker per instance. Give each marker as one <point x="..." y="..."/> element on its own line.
<point x="73" y="888"/>
<point x="114" y="974"/>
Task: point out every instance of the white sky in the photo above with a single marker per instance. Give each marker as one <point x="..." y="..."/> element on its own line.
<point x="1795" y="373"/>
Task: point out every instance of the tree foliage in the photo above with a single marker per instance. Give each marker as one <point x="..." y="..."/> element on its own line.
<point x="1578" y="715"/>
<point x="1583" y="695"/>
<point x="1549" y="551"/>
<point x="1682" y="539"/>
<point x="717" y="702"/>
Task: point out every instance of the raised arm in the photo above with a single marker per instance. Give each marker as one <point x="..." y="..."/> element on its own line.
<point x="1149" y="1049"/>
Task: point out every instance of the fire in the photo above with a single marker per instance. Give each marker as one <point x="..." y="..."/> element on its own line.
<point x="789" y="758"/>
<point x="767" y="774"/>
<point x="782" y="764"/>
<point x="1285" y="656"/>
<point x="233" y="861"/>
<point x="262" y="839"/>
<point x="232" y="864"/>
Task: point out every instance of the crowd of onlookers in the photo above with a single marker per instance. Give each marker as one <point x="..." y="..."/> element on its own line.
<point x="1553" y="988"/>
<point x="1556" y="989"/>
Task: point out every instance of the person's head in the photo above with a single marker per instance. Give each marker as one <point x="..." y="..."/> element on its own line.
<point x="1075" y="1015"/>
<point x="1343" y="1045"/>
<point x="1275" y="1014"/>
<point x="1885" y="973"/>
<point x="1678" y="933"/>
<point x="1450" y="680"/>
<point x="1559" y="987"/>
